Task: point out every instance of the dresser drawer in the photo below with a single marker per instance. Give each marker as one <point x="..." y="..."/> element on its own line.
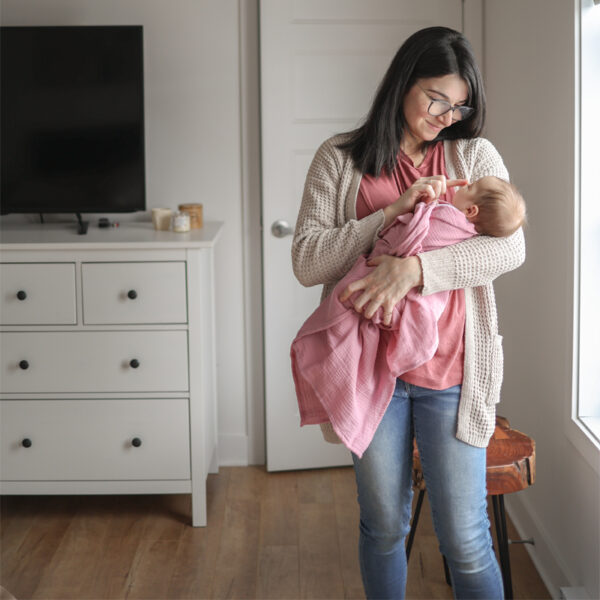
<point x="37" y="294"/>
<point x="134" y="292"/>
<point x="94" y="361"/>
<point x="94" y="440"/>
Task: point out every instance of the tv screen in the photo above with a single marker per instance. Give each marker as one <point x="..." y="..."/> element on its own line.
<point x="72" y="119"/>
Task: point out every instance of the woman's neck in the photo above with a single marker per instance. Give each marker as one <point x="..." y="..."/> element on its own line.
<point x="416" y="155"/>
<point x="414" y="149"/>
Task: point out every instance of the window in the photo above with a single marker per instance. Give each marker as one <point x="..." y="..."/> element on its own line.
<point x="586" y="409"/>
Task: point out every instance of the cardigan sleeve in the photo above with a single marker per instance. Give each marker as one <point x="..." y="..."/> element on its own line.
<point x="480" y="260"/>
<point x="325" y="245"/>
<point x="472" y="263"/>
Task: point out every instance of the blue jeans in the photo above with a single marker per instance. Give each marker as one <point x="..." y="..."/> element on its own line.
<point x="455" y="477"/>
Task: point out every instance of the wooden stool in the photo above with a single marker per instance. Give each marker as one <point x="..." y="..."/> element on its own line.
<point x="510" y="468"/>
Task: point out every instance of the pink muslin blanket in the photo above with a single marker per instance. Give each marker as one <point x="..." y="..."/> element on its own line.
<point x="344" y="365"/>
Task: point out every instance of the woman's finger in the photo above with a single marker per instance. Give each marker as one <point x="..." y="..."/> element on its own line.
<point x="436" y="183"/>
<point x="368" y="300"/>
<point x="457" y="182"/>
<point x="427" y="189"/>
<point x="371" y="304"/>
<point x="373" y="262"/>
<point x="387" y="315"/>
<point x="355" y="286"/>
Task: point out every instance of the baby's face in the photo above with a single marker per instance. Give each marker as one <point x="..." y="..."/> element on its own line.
<point x="465" y="197"/>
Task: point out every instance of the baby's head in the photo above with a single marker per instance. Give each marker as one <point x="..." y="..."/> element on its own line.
<point x="493" y="205"/>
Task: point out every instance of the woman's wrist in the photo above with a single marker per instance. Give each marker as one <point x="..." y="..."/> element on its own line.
<point x="394" y="210"/>
<point x="389" y="214"/>
<point x="416" y="270"/>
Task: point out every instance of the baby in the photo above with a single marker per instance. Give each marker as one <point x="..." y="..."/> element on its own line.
<point x="494" y="206"/>
<point x="345" y="365"/>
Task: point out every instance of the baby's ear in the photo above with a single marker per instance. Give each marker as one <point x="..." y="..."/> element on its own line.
<point x="472" y="211"/>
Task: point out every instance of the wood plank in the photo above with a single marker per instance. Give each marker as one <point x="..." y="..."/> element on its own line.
<point x="347" y="521"/>
<point x="122" y="541"/>
<point x="279" y="526"/>
<point x="236" y="573"/>
<point x="278" y="573"/>
<point x="314" y="486"/>
<point x="237" y="565"/>
<point x="319" y="549"/>
<point x="25" y="565"/>
<point x="74" y="563"/>
<point x="320" y="569"/>
<point x="16" y="519"/>
<point x="154" y="561"/>
<point x="196" y="555"/>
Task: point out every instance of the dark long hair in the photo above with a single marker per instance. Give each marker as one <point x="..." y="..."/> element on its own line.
<point x="430" y="52"/>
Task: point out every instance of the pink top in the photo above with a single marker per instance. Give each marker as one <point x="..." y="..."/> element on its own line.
<point x="445" y="369"/>
<point x="345" y="366"/>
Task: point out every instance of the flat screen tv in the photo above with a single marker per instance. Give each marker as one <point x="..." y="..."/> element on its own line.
<point x="72" y="119"/>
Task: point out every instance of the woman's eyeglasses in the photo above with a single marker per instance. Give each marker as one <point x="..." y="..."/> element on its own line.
<point x="437" y="108"/>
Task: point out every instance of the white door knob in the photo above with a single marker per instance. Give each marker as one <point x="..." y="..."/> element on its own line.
<point x="281" y="229"/>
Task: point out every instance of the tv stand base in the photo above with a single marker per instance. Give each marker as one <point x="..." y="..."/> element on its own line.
<point x="82" y="225"/>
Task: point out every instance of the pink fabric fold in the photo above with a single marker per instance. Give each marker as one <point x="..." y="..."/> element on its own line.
<point x="344" y="365"/>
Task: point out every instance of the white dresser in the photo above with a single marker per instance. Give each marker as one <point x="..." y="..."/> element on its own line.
<point x="107" y="361"/>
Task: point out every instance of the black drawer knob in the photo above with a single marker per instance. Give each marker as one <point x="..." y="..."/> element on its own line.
<point x="21" y="295"/>
<point x="134" y="363"/>
<point x="26" y="443"/>
<point x="132" y="294"/>
<point x="24" y="365"/>
<point x="136" y="442"/>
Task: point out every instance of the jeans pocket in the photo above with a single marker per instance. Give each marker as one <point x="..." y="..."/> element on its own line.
<point x="496" y="370"/>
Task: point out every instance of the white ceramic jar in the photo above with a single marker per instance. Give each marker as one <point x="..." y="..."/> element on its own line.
<point x="181" y="222"/>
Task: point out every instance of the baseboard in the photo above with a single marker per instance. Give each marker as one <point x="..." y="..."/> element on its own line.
<point x="544" y="555"/>
<point x="233" y="450"/>
<point x="573" y="593"/>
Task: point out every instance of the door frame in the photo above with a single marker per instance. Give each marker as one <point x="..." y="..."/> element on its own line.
<point x="249" y="53"/>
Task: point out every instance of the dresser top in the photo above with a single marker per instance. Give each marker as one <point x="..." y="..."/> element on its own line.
<point x="134" y="235"/>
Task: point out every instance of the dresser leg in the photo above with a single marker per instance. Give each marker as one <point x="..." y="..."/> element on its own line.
<point x="199" y="505"/>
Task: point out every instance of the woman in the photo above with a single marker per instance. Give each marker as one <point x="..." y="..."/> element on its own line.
<point x="419" y="139"/>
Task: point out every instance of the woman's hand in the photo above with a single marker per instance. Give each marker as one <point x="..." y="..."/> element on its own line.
<point x="424" y="189"/>
<point x="385" y="286"/>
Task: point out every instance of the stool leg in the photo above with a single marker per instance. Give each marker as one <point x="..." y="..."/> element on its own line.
<point x="447" y="571"/>
<point x="413" y="525"/>
<point x="502" y="537"/>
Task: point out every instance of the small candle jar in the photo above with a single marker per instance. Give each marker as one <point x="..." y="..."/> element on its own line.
<point x="181" y="222"/>
<point x="195" y="212"/>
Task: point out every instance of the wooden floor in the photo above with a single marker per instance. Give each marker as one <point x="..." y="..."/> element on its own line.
<point x="283" y="535"/>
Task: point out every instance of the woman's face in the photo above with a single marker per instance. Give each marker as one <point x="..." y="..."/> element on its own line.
<point x="422" y="126"/>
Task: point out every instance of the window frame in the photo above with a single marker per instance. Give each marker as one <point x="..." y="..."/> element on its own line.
<point x="583" y="427"/>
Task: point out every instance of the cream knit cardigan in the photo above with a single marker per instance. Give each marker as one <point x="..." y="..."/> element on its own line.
<point x="329" y="238"/>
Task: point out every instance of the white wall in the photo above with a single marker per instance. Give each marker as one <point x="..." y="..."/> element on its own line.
<point x="193" y="147"/>
<point x="530" y="79"/>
